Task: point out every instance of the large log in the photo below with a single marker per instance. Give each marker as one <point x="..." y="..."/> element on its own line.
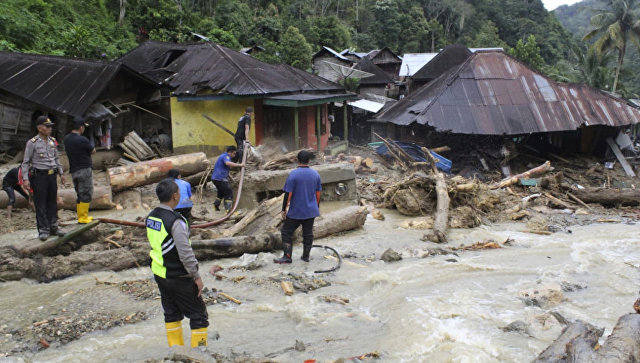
<point x="623" y="345"/>
<point x="152" y="171"/>
<point x="557" y="351"/>
<point x="441" y="223"/>
<point x="341" y="220"/>
<point x="101" y="199"/>
<point x="235" y="246"/>
<point x="609" y="197"/>
<point x="99" y="160"/>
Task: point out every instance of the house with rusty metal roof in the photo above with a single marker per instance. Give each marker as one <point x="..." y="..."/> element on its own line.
<point x="492" y="93"/>
<point x="110" y="96"/>
<point x="206" y="78"/>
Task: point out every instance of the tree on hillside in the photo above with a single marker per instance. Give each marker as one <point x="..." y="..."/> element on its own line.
<point x="294" y="49"/>
<point x="618" y="23"/>
<point x="528" y="52"/>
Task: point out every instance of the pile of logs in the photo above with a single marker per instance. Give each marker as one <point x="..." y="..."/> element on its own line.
<point x="135" y="149"/>
<point x="285" y="160"/>
<point x="360" y="164"/>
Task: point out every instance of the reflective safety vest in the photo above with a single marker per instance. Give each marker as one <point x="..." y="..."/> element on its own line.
<point x="165" y="261"/>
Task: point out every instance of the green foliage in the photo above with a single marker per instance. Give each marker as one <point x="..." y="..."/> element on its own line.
<point x="528" y="52"/>
<point x="350" y="84"/>
<point x="294" y="49"/>
<point x="224" y="38"/>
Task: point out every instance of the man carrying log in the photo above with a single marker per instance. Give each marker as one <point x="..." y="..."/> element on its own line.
<point x="79" y="150"/>
<point x="185" y="205"/>
<point x="11" y="183"/>
<point x="42" y="160"/>
<point x="242" y="132"/>
<point x="175" y="268"/>
<point x="302" y="197"/>
<point x="220" y="178"/>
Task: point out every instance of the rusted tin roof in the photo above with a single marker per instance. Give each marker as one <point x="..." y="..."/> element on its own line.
<point x="66" y="85"/>
<point x="492" y="93"/>
<point x="192" y="68"/>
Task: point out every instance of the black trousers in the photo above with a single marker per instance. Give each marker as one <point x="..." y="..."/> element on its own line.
<point x="45" y="191"/>
<point x="290" y="225"/>
<point x="186" y="213"/>
<point x="224" y="189"/>
<point x="179" y="297"/>
<point x="11" y="189"/>
<point x="240" y="147"/>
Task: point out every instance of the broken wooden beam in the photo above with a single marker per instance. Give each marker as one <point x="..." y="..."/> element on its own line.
<point x="616" y="151"/>
<point x="101" y="199"/>
<point x="527" y="174"/>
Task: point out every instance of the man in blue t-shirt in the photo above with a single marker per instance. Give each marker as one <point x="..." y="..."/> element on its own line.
<point x="221" y="177"/>
<point x="185" y="204"/>
<point x="302" y="197"/>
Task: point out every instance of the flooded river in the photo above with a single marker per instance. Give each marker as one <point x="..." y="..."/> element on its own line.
<point x="434" y="309"/>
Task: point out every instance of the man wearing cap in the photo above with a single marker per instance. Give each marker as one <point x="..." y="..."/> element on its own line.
<point x="242" y="133"/>
<point x="42" y="159"/>
<point x="79" y="151"/>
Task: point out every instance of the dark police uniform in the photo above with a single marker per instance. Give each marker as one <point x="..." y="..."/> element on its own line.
<point x="42" y="159"/>
<point x="175" y="267"/>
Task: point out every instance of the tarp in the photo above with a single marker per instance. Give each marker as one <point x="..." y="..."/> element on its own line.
<point x="415" y="151"/>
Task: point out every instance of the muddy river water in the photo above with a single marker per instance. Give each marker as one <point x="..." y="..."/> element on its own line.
<point x="434" y="309"/>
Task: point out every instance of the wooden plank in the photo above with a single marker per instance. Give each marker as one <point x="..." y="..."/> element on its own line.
<point x="616" y="150"/>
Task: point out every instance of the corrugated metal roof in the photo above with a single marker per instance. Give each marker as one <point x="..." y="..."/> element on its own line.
<point x="492" y="93"/>
<point x="451" y="55"/>
<point x="379" y="76"/>
<point x="367" y="105"/>
<point x="413" y="62"/>
<point x="192" y="68"/>
<point x="66" y="85"/>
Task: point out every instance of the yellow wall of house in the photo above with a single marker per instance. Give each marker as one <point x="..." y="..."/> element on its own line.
<point x="191" y="132"/>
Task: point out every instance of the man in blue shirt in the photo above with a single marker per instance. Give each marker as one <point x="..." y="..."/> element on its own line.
<point x="221" y="177"/>
<point x="302" y="197"/>
<point x="185" y="204"/>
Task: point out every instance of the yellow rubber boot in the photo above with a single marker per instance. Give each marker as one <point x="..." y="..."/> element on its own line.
<point x="198" y="337"/>
<point x="174" y="333"/>
<point x="83" y="213"/>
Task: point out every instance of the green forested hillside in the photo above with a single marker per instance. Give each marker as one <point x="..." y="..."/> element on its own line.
<point x="108" y="28"/>
<point x="576" y="18"/>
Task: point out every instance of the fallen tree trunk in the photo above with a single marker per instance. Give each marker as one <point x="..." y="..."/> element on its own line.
<point x="577" y="342"/>
<point x="235" y="246"/>
<point x="152" y="171"/>
<point x="608" y="197"/>
<point x="623" y="345"/>
<point x="49" y="246"/>
<point x="101" y="199"/>
<point x="527" y="174"/>
<point x="341" y="220"/>
<point x="557" y="351"/>
<point x="441" y="224"/>
<point x="99" y="161"/>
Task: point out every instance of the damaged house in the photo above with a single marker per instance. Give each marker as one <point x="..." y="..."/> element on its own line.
<point x="290" y="105"/>
<point x="114" y="99"/>
<point x="491" y="96"/>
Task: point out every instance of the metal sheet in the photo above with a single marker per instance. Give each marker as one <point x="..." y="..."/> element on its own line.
<point x="514" y="98"/>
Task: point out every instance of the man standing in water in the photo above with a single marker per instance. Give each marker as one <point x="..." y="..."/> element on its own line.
<point x="42" y="159"/>
<point x="79" y="150"/>
<point x="175" y="268"/>
<point x="242" y="132"/>
<point x="302" y="196"/>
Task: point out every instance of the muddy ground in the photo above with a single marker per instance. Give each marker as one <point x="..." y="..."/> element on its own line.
<point x="105" y="303"/>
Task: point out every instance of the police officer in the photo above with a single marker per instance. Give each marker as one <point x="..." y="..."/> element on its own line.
<point x="42" y="159"/>
<point x="175" y="268"/>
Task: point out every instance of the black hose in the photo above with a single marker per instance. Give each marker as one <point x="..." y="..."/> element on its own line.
<point x="337" y="255"/>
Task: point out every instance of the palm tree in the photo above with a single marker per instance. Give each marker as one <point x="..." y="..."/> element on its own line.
<point x="618" y="23"/>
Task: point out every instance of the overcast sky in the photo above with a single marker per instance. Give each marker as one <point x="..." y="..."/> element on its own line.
<point x="552" y="4"/>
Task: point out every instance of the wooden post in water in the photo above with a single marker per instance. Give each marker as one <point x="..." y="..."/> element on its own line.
<point x="296" y="130"/>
